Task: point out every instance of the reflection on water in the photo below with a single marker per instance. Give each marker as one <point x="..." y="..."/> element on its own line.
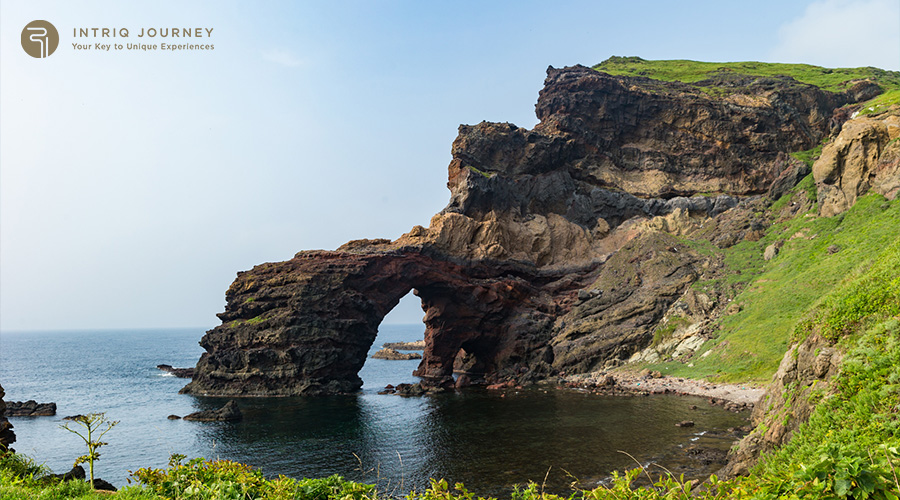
<point x="485" y="439"/>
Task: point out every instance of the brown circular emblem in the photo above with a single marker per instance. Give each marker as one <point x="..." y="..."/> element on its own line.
<point x="40" y="39"/>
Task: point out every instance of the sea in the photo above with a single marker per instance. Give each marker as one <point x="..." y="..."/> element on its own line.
<point x="488" y="440"/>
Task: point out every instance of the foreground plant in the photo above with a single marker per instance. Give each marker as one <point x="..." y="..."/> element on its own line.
<point x="93" y="423"/>
<point x="223" y="479"/>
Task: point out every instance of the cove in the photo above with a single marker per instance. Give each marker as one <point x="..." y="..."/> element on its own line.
<point x="486" y="439"/>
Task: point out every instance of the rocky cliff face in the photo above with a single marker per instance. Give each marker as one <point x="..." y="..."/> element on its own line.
<point x="560" y="249"/>
<point x="7" y="436"/>
<point x="865" y="155"/>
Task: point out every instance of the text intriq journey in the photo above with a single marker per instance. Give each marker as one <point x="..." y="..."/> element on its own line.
<point x="181" y="33"/>
<point x="148" y="32"/>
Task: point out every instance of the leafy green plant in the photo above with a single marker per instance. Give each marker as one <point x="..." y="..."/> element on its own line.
<point x="93" y="424"/>
<point x="199" y="478"/>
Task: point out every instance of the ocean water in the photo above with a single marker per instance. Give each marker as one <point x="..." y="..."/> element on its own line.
<point x="487" y="440"/>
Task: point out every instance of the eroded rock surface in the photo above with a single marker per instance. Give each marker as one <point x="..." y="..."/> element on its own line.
<point x="7" y="436"/>
<point x="559" y="251"/>
<point x="864" y="156"/>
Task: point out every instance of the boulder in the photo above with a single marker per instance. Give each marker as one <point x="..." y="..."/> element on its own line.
<point x="102" y="485"/>
<point x="409" y="390"/>
<point x="178" y="372"/>
<point x="77" y="473"/>
<point x="227" y="413"/>
<point x="864" y="156"/>
<point x="30" y="408"/>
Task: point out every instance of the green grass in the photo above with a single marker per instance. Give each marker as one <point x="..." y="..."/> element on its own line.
<point x="780" y="293"/>
<point x="849" y="447"/>
<point x="481" y="172"/>
<point x="664" y="332"/>
<point x="881" y="103"/>
<point x="693" y="71"/>
<point x="21" y="478"/>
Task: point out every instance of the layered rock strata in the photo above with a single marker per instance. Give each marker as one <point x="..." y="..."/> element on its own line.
<point x="560" y="249"/>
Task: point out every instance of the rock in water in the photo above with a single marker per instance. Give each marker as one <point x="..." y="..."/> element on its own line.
<point x="178" y="372"/>
<point x="30" y="408"/>
<point x="392" y="354"/>
<point x="418" y="345"/>
<point x="227" y="413"/>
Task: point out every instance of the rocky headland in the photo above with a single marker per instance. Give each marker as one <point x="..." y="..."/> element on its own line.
<point x="565" y="248"/>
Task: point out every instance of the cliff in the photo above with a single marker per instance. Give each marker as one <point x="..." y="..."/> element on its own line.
<point x="565" y="248"/>
<point x="7" y="436"/>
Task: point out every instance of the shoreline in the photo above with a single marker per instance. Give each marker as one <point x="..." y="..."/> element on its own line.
<point x="734" y="397"/>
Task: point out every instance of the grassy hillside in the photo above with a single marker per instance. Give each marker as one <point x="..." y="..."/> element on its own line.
<point x="818" y="253"/>
<point x="694" y="71"/>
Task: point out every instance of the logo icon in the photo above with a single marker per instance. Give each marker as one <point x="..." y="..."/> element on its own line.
<point x="40" y="39"/>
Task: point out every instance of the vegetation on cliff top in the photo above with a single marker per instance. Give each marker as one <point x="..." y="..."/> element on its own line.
<point x="686" y="71"/>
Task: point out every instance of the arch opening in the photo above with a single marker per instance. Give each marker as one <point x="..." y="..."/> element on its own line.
<point x="402" y="324"/>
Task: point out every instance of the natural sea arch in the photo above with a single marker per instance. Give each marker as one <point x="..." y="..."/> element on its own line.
<point x="304" y="326"/>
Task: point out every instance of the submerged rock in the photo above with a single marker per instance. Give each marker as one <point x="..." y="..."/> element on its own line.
<point x="228" y="413"/>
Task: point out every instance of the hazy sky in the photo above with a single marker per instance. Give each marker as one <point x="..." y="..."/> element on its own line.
<point x="135" y="184"/>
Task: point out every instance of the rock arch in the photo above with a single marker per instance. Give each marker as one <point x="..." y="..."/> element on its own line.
<point x="304" y="326"/>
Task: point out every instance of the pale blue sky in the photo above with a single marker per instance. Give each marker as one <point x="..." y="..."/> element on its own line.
<point x="133" y="185"/>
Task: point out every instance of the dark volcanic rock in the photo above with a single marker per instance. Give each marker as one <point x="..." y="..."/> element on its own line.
<point x="559" y="250"/>
<point x="418" y="345"/>
<point x="30" y="408"/>
<point x="394" y="355"/>
<point x="178" y="372"/>
<point x="227" y="413"/>
<point x="100" y="484"/>
<point x="7" y="436"/>
<point x="77" y="472"/>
